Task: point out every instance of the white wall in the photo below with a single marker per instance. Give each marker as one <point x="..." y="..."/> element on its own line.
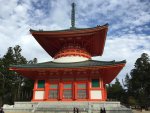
<point x="39" y="95"/>
<point x="68" y="59"/>
<point x="96" y="94"/>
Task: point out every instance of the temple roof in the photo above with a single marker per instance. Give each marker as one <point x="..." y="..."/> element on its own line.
<point x="107" y="69"/>
<point x="92" y="39"/>
<point x="66" y="30"/>
<point x="51" y="64"/>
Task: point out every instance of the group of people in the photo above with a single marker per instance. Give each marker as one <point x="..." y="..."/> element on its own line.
<point x="103" y="110"/>
<point x="1" y="110"/>
<point x="75" y="110"/>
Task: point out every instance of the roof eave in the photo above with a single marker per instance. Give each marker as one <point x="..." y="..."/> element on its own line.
<point x="32" y="31"/>
<point x="16" y="67"/>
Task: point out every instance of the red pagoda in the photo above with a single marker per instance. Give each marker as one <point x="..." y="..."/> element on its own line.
<point x="72" y="75"/>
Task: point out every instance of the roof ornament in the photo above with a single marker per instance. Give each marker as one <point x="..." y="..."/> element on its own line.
<point x="73" y="16"/>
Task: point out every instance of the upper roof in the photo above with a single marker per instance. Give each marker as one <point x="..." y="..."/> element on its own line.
<point x="92" y="39"/>
<point x="51" y="64"/>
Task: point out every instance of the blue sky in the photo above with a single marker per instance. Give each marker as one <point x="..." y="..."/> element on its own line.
<point x="129" y="25"/>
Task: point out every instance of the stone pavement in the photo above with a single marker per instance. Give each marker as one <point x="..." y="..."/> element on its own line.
<point x="65" y="107"/>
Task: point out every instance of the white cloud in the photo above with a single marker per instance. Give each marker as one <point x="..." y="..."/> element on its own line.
<point x="31" y="49"/>
<point x="128" y="47"/>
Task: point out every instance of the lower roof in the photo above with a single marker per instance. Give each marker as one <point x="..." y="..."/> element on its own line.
<point x="108" y="70"/>
<point x="51" y="64"/>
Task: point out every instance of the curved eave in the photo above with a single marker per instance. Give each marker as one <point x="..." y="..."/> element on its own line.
<point x="108" y="72"/>
<point x="69" y="31"/>
<point x="63" y="68"/>
<point x="87" y="63"/>
<point x="52" y="41"/>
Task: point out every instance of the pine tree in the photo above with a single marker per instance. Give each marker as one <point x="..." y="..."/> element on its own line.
<point x="1" y="83"/>
<point x="115" y="91"/>
<point x="140" y="79"/>
<point x="7" y="59"/>
<point x="15" y="87"/>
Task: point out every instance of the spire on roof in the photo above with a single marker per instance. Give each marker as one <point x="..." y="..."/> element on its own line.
<point x="73" y="16"/>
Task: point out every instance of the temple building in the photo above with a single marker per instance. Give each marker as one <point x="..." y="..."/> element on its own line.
<point x="72" y="75"/>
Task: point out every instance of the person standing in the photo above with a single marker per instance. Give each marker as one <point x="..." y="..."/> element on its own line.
<point x="104" y="111"/>
<point x="1" y="110"/>
<point x="101" y="111"/>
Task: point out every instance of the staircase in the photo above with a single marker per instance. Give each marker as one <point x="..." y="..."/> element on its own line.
<point x="65" y="107"/>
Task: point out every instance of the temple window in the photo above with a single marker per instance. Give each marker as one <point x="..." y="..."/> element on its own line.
<point x="41" y="83"/>
<point x="53" y="93"/>
<point x="67" y="92"/>
<point x="54" y="86"/>
<point x="95" y="83"/>
<point x="82" y="86"/>
<point x="81" y="91"/>
<point x="66" y="86"/>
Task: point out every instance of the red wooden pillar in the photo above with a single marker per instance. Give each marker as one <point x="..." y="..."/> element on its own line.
<point x="104" y="93"/>
<point x="34" y="89"/>
<point x="102" y="88"/>
<point x="46" y="89"/>
<point x="60" y="89"/>
<point x="88" y="88"/>
<point x="75" y="89"/>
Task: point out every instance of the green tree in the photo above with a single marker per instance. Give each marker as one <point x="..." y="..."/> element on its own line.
<point x="115" y="91"/>
<point x="127" y="81"/>
<point x="34" y="61"/>
<point x="129" y="97"/>
<point x="7" y="59"/>
<point x="140" y="80"/>
<point x="13" y="84"/>
<point x="131" y="100"/>
<point x="1" y="83"/>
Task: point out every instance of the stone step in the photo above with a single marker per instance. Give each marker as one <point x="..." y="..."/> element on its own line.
<point x="66" y="107"/>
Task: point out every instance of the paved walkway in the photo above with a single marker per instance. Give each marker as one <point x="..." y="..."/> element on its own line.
<point x="135" y="111"/>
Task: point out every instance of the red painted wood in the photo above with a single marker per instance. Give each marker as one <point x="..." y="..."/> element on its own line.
<point x="74" y="83"/>
<point x="75" y="89"/>
<point x="46" y="89"/>
<point x="72" y="50"/>
<point x="88" y="88"/>
<point x="60" y="89"/>
<point x="52" y="41"/>
<point x="108" y="73"/>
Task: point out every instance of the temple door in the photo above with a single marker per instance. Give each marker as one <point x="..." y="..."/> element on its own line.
<point x="53" y="91"/>
<point x="81" y="90"/>
<point x="67" y="91"/>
